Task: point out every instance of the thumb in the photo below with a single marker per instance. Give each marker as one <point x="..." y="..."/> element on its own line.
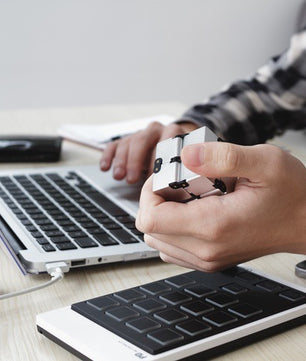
<point x="216" y="159"/>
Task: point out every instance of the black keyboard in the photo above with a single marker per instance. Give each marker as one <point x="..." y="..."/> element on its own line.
<point x="64" y="214"/>
<point x="176" y="311"/>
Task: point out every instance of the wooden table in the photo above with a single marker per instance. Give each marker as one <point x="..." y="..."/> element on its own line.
<point x="19" y="339"/>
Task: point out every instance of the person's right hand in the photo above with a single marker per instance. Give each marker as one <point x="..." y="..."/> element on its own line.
<point x="131" y="155"/>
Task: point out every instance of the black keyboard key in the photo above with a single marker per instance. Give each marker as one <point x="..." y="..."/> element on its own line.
<point x="149" y="306"/>
<point x="165" y="337"/>
<point x="105" y="239"/>
<point x="48" y="248"/>
<point x="270" y="286"/>
<point x="49" y="227"/>
<point x="175" y="298"/>
<point x="180" y="281"/>
<point x="292" y="295"/>
<point x="61" y="239"/>
<point x="105" y="203"/>
<point x="77" y="234"/>
<point x="170" y="316"/>
<point x="129" y="295"/>
<point x="235" y="288"/>
<point x="36" y="234"/>
<point x="88" y="225"/>
<point x="85" y="242"/>
<point x="123" y="236"/>
<point x="122" y="313"/>
<point x="221" y="300"/>
<point x="111" y="226"/>
<point x="42" y="241"/>
<point x="54" y="234"/>
<point x="126" y="219"/>
<point x="249" y="277"/>
<point x="197" y="308"/>
<point x="199" y="290"/>
<point x="31" y="228"/>
<point x="219" y="318"/>
<point x="65" y="246"/>
<point x="245" y="310"/>
<point x="102" y="303"/>
<point x="193" y="327"/>
<point x="143" y="325"/>
<point x="156" y="288"/>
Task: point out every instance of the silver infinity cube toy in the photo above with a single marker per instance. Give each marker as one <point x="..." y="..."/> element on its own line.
<point x="173" y="181"/>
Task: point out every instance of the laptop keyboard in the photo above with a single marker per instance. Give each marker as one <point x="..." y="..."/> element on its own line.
<point x="65" y="214"/>
<point x="166" y="314"/>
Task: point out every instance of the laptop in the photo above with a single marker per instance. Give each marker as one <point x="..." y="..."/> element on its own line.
<point x="78" y="216"/>
<point x="192" y="316"/>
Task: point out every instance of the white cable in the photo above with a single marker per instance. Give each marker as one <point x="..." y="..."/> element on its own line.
<point x="56" y="272"/>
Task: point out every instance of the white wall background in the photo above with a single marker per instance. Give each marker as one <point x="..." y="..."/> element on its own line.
<point x="92" y="52"/>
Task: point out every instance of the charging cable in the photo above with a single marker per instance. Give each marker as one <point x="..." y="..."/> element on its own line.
<point x="56" y="271"/>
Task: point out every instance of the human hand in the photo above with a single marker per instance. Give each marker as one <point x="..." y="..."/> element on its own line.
<point x="265" y="214"/>
<point x="133" y="154"/>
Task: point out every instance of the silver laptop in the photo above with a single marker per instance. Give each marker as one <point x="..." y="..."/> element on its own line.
<point x="78" y="216"/>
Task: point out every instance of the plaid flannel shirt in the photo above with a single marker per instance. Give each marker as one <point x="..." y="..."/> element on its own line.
<point x="255" y="110"/>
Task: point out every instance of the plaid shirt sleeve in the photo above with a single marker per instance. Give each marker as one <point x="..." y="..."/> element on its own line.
<point x="254" y="110"/>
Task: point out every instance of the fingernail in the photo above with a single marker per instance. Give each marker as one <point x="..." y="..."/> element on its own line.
<point x="193" y="155"/>
<point x="131" y="176"/>
<point x="104" y="164"/>
<point x="118" y="172"/>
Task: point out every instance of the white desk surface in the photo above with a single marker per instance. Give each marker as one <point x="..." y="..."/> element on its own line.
<point x="19" y="339"/>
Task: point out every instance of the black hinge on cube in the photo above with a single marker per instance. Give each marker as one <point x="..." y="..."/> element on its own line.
<point x="180" y="184"/>
<point x="219" y="184"/>
<point x="182" y="136"/>
<point x="157" y="165"/>
<point x="176" y="159"/>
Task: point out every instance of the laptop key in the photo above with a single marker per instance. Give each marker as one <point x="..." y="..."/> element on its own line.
<point x="105" y="239"/>
<point x="85" y="242"/>
<point x="48" y="248"/>
<point x="61" y="239"/>
<point x="65" y="246"/>
<point x="42" y="241"/>
<point x="123" y="236"/>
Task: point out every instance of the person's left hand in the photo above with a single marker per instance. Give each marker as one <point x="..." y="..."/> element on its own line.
<point x="265" y="214"/>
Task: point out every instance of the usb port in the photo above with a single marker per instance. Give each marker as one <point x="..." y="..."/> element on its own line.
<point x="79" y="262"/>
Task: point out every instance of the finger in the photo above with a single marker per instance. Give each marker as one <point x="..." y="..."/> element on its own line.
<point x="173" y="218"/>
<point x="141" y="144"/>
<point x="216" y="159"/>
<point x="169" y="132"/>
<point x="120" y="158"/>
<point x="108" y="155"/>
<point x="172" y="254"/>
<point x="169" y="259"/>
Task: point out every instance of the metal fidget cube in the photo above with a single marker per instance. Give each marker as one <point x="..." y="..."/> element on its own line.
<point x="173" y="181"/>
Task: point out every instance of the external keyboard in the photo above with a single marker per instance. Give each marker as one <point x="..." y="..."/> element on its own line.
<point x="61" y="216"/>
<point x="176" y="311"/>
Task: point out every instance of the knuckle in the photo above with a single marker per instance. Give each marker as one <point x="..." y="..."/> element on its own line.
<point x="164" y="257"/>
<point x="145" y="222"/>
<point x="155" y="125"/>
<point x="211" y="267"/>
<point x="229" y="158"/>
<point x="208" y="255"/>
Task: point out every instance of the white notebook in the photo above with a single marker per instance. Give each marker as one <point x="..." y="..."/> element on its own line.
<point x="97" y="136"/>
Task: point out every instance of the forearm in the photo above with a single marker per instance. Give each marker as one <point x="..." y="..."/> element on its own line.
<point x="254" y="110"/>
